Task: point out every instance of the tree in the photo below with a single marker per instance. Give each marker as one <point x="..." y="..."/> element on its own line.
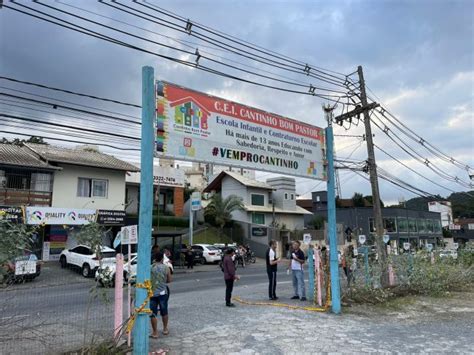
<point x="317" y="222"/>
<point x="219" y="210"/>
<point x="358" y="200"/>
<point x="370" y="200"/>
<point x="18" y="141"/>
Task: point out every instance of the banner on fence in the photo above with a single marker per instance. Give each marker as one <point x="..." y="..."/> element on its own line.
<point x="194" y="126"/>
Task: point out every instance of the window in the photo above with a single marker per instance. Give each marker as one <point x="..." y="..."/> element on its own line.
<point x="371" y="225"/>
<point x="286" y="196"/>
<point x="421" y="225"/>
<point x="258" y="200"/>
<point x="429" y="225"/>
<point x="258" y="218"/>
<point x="412" y="228"/>
<point x="390" y="224"/>
<point x="92" y="187"/>
<point x="292" y="196"/>
<point x="437" y="226"/>
<point x="402" y="225"/>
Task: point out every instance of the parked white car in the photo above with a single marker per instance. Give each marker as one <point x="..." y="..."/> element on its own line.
<point x="448" y="254"/>
<point x="84" y="258"/>
<point x="211" y="253"/>
<point x="106" y="275"/>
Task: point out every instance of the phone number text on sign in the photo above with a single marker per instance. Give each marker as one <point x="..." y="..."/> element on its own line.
<point x="194" y="126"/>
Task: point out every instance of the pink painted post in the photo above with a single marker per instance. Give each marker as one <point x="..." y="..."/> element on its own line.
<point x="118" y="312"/>
<point x="432" y="258"/>
<point x="391" y="275"/>
<point x="129" y="294"/>
<point x="317" y="264"/>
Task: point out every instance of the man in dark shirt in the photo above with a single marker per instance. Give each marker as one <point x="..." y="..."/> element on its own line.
<point x="229" y="276"/>
<point x="272" y="265"/>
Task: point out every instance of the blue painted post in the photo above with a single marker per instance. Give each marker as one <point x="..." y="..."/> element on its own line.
<point x="311" y="273"/>
<point x="333" y="259"/>
<point x="141" y="329"/>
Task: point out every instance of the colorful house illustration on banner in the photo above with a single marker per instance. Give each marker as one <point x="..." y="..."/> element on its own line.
<point x="189" y="112"/>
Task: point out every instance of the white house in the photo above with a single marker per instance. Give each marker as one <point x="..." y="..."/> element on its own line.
<point x="266" y="204"/>
<point x="444" y="208"/>
<point x="86" y="178"/>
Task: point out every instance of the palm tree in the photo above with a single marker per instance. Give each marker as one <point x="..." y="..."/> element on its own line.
<point x="220" y="210"/>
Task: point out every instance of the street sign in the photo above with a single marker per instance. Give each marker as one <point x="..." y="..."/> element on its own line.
<point x="129" y="235"/>
<point x="429" y="247"/>
<point x="455" y="245"/>
<point x="196" y="201"/>
<point x="307" y="238"/>
<point x="406" y="246"/>
<point x="386" y="238"/>
<point x="362" y="239"/>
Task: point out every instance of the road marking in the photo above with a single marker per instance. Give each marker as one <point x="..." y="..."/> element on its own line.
<point x="18" y="316"/>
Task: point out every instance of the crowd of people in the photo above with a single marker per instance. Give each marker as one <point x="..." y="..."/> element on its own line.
<point x="161" y="276"/>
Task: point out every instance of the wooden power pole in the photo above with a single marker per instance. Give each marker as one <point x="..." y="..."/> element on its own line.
<point x="379" y="229"/>
<point x="364" y="109"/>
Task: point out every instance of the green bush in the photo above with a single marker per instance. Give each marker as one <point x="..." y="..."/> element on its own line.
<point x="414" y="275"/>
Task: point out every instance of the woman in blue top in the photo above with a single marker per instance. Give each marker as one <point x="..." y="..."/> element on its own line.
<point x="160" y="276"/>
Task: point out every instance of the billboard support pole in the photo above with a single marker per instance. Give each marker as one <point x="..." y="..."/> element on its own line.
<point x="140" y="334"/>
<point x="333" y="259"/>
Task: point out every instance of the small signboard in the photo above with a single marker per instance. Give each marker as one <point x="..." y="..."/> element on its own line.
<point x="429" y="247"/>
<point x="259" y="231"/>
<point x="362" y="239"/>
<point x="307" y="238"/>
<point x="386" y="238"/>
<point x="406" y="246"/>
<point x="129" y="235"/>
<point x="196" y="201"/>
<point x="111" y="217"/>
<point x="11" y="214"/>
<point x="25" y="267"/>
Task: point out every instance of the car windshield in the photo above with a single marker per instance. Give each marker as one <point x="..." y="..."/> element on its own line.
<point x="210" y="247"/>
<point x="108" y="254"/>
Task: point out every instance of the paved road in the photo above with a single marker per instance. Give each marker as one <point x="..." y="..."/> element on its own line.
<point x="201" y="324"/>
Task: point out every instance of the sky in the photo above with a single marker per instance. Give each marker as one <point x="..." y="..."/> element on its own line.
<point x="417" y="57"/>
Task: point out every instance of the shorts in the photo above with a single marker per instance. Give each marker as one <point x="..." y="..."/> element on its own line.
<point x="161" y="303"/>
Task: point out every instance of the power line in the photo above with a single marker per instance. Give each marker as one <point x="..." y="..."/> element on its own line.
<point x="219" y="44"/>
<point x="124" y="44"/>
<point x="34" y="120"/>
<point x="69" y="102"/>
<point x="417" y="156"/>
<point x="68" y="140"/>
<point x="64" y="90"/>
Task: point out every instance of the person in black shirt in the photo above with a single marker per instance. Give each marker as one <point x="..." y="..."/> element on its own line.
<point x="272" y="265"/>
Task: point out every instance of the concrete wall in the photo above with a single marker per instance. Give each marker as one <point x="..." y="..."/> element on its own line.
<point x="65" y="188"/>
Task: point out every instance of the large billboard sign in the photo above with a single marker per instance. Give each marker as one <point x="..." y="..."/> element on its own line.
<point x="194" y="126"/>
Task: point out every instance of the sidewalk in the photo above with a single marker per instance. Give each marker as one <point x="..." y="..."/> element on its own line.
<point x="201" y="324"/>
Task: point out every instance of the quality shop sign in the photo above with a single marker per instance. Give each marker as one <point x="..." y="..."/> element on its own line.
<point x="59" y="216"/>
<point x="194" y="126"/>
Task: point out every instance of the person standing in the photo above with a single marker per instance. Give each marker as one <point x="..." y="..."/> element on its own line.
<point x="272" y="266"/>
<point x="296" y="265"/>
<point x="190" y="258"/>
<point x="160" y="277"/>
<point x="229" y="275"/>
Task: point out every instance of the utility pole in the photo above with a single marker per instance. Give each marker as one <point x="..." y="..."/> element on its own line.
<point x="379" y="230"/>
<point x="332" y="233"/>
<point x="364" y="109"/>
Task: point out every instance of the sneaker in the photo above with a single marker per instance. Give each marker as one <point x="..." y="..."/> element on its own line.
<point x="230" y="305"/>
<point x="295" y="298"/>
<point x="275" y="298"/>
<point x="303" y="299"/>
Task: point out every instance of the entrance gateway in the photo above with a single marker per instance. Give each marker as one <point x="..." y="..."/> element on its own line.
<point x="184" y="124"/>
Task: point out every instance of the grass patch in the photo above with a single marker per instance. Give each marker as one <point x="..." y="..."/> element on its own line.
<point x="210" y="236"/>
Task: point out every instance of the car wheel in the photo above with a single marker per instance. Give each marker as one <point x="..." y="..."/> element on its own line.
<point x="63" y="262"/>
<point x="202" y="261"/>
<point x="86" y="270"/>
